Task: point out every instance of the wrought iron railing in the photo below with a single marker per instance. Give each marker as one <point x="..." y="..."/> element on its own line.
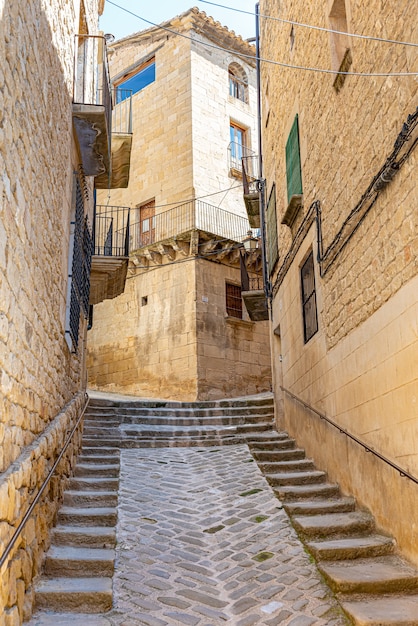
<point x="237" y="152"/>
<point x="111" y="232"/>
<point x="91" y="74"/>
<point x="122" y="111"/>
<point x="193" y="215"/>
<point x="250" y="174"/>
<point x="249" y="283"/>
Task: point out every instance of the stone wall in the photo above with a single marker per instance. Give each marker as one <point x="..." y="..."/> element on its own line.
<point x="360" y="368"/>
<point x="41" y="382"/>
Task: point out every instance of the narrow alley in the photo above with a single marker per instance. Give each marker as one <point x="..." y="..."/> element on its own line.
<point x="201" y="538"/>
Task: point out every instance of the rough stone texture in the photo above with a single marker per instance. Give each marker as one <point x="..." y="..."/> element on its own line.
<point x="179" y="345"/>
<point x="361" y="367"/>
<point x="41" y="382"/>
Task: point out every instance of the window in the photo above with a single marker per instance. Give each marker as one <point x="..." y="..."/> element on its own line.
<point x="237" y="146"/>
<point x="293" y="165"/>
<point x="310" y="318"/>
<point x="233" y="301"/>
<point x="79" y="265"/>
<point x="341" y="59"/>
<point x="238" y="83"/>
<point x="147" y="223"/>
<point x="271" y="225"/>
<point x="135" y="81"/>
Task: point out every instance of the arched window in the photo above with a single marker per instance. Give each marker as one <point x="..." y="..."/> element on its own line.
<point x="238" y="82"/>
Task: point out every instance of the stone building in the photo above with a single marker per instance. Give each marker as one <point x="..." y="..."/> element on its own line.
<point x="54" y="98"/>
<point x="341" y="214"/>
<point x="180" y="330"/>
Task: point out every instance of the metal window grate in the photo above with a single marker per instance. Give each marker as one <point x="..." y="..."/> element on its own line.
<point x="81" y="266"/>
<point x="293" y="165"/>
<point x="233" y="301"/>
<point x="310" y="317"/>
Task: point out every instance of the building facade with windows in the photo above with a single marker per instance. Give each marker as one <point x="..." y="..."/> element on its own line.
<point x="339" y="156"/>
<point x="181" y="330"/>
<point x="55" y="129"/>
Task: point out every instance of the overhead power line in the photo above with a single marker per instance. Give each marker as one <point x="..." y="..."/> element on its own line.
<point x="312" y="27"/>
<point x="261" y="59"/>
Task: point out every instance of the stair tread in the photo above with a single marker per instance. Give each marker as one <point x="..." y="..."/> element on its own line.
<point x="66" y="585"/>
<point x="371" y="571"/>
<point x="304" y="507"/>
<point x="42" y="618"/>
<point x="85" y="530"/>
<point x="393" y="610"/>
<point x="71" y="553"/>
<point x="332" y="519"/>
<point x="103" y="510"/>
<point x="352" y="542"/>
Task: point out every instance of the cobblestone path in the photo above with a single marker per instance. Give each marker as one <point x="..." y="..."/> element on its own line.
<point x="202" y="540"/>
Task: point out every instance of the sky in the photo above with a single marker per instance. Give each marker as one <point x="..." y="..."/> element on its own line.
<point x="120" y="24"/>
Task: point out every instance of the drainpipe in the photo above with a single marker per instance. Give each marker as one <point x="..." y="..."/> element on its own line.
<point x="261" y="183"/>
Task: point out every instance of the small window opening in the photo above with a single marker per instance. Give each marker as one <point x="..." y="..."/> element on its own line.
<point x="144" y="300"/>
<point x="233" y="301"/>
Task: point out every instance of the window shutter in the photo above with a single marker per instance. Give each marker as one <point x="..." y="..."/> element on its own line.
<point x="293" y="167"/>
<point x="271" y="226"/>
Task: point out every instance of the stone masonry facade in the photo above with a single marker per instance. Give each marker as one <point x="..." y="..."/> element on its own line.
<point x="358" y="165"/>
<point x="42" y="383"/>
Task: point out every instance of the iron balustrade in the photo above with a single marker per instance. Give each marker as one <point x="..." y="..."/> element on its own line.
<point x="249" y="283"/>
<point x="91" y="74"/>
<point x="122" y="111"/>
<point x="193" y="215"/>
<point x="111" y="233"/>
<point x="250" y="174"/>
<point x="237" y="152"/>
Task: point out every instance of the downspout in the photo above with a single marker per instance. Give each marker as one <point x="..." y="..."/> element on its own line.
<point x="261" y="183"/>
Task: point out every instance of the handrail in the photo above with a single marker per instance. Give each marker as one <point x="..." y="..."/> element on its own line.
<point x="401" y="471"/>
<point x="41" y="490"/>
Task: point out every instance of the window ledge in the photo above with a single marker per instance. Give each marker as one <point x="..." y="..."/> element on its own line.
<point x="293" y="208"/>
<point x="235" y="172"/>
<point x="230" y="319"/>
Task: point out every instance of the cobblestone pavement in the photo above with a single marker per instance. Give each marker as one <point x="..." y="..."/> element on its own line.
<point x="202" y="540"/>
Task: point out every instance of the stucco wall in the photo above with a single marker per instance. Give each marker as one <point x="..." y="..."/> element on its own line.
<point x="361" y="366"/>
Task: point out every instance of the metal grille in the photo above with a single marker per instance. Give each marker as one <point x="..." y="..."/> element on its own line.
<point x="233" y="301"/>
<point x="81" y="266"/>
<point x="293" y="167"/>
<point x="310" y="318"/>
<point x="271" y="226"/>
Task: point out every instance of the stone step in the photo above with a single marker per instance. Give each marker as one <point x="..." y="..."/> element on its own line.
<point x="384" y="574"/>
<point x="107" y="406"/>
<point x="98" y="442"/>
<point x="392" y="610"/>
<point x="100" y="450"/>
<point x="276" y="456"/>
<point x="158" y="442"/>
<point x="97" y="469"/>
<point x="334" y="524"/>
<point x="81" y="516"/>
<point x="88" y="595"/>
<point x="280" y="444"/>
<point x="84" y="536"/>
<point x="48" y="618"/>
<point x="351" y="547"/>
<point x="305" y="492"/>
<point x="296" y="478"/>
<point x="107" y="421"/>
<point x="191" y="415"/>
<point x="106" y="459"/>
<point x="320" y="507"/>
<point x="90" y="499"/>
<point x="98" y="429"/>
<point x="287" y="465"/>
<point x="75" y="561"/>
<point x="94" y="483"/>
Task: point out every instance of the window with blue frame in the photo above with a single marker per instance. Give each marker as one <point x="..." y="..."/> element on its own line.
<point x="136" y="81"/>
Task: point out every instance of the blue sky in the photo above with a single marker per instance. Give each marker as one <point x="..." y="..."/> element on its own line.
<point x="119" y="23"/>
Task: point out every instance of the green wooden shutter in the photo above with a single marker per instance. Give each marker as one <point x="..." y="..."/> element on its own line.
<point x="293" y="168"/>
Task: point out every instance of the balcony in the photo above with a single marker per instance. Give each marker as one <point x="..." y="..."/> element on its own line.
<point x="104" y="131"/>
<point x="252" y="286"/>
<point x="251" y="191"/>
<point x="92" y="104"/>
<point x="111" y="236"/>
<point x="121" y="144"/>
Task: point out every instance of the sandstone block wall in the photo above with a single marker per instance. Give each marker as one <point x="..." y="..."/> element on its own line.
<point x="41" y="382"/>
<point x="360" y="368"/>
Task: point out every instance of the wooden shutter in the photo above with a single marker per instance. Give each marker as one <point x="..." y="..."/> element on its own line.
<point x="293" y="167"/>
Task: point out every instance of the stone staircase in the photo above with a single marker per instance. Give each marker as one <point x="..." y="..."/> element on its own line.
<point x="79" y="564"/>
<point x="151" y="424"/>
<point x="375" y="585"/>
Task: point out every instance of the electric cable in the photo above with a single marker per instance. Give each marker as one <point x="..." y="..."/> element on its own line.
<point x="261" y="59"/>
